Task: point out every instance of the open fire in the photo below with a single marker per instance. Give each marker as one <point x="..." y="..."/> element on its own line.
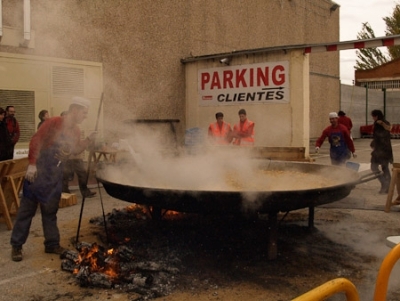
<point x="95" y="266"/>
<point x="119" y="267"/>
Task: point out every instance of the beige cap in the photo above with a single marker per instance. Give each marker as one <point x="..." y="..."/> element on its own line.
<point x="333" y="115"/>
<point x="84" y="102"/>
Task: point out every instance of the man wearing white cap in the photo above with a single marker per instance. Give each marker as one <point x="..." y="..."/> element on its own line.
<point x="49" y="148"/>
<point x="339" y="138"/>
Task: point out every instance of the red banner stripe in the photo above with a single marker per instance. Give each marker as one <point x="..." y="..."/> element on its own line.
<point x="359" y="45"/>
<point x="331" y="47"/>
<point x="388" y="42"/>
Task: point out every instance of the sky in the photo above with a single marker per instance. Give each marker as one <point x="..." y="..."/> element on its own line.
<point x="352" y="14"/>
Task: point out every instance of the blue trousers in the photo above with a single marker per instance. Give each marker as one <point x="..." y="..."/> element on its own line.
<point x="26" y="212"/>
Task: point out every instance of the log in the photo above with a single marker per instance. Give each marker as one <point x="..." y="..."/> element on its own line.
<point x="69" y="266"/>
<point x="83" y="276"/>
<point x="100" y="280"/>
<point x="125" y="254"/>
<point x="141" y="280"/>
<point x="70" y="255"/>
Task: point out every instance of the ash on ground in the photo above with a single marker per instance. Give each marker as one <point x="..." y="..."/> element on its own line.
<point x="205" y="253"/>
<point x="124" y="264"/>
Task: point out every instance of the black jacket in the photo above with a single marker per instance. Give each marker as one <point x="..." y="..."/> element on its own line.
<point x="381" y="144"/>
<point x="5" y="141"/>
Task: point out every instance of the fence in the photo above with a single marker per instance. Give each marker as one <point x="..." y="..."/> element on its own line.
<point x="358" y="102"/>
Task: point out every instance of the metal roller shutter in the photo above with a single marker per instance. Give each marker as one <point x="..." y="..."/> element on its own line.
<point x="24" y="103"/>
<point x="68" y="81"/>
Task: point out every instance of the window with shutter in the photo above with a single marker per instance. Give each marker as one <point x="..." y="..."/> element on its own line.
<point x="68" y="81"/>
<point x="24" y="103"/>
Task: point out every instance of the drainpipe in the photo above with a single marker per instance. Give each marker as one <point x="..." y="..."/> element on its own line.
<point x="1" y="20"/>
<point x="27" y="22"/>
<point x="384" y="101"/>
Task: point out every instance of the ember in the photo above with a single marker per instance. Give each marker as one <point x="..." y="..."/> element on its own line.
<point x="95" y="266"/>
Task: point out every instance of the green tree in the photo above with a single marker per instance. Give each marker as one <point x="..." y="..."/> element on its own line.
<point x="368" y="58"/>
<point x="393" y="28"/>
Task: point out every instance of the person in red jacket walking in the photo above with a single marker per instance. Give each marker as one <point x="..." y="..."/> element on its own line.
<point x="220" y="132"/>
<point x="339" y="138"/>
<point x="243" y="132"/>
<point x="345" y="120"/>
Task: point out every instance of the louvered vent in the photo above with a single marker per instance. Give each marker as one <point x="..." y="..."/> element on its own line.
<point x="24" y="103"/>
<point x="68" y="81"/>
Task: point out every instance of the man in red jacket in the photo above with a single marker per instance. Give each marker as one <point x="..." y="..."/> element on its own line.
<point x="49" y="149"/>
<point x="346" y="121"/>
<point x="13" y="130"/>
<point x="339" y="137"/>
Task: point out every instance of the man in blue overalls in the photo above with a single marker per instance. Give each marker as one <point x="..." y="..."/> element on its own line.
<point x="49" y="148"/>
<point x="339" y="138"/>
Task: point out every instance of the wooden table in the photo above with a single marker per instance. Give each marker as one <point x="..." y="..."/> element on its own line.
<point x="109" y="155"/>
<point x="393" y="184"/>
<point x="12" y="174"/>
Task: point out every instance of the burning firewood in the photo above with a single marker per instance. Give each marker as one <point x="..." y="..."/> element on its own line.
<point x="94" y="266"/>
<point x="83" y="276"/>
<point x="70" y="255"/>
<point x="69" y="265"/>
<point x="100" y="280"/>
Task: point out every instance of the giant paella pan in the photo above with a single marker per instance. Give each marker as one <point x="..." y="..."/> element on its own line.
<point x="265" y="187"/>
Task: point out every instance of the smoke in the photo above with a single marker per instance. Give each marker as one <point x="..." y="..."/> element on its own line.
<point x="158" y="167"/>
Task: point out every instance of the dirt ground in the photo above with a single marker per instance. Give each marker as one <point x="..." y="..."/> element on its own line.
<point x="216" y="258"/>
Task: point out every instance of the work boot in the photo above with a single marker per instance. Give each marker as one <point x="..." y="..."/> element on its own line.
<point x="54" y="250"/>
<point x="16" y="253"/>
<point x="384" y="190"/>
<point x="89" y="194"/>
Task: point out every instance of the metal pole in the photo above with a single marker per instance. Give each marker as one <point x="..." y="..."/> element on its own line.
<point x="384" y="101"/>
<point x="91" y="154"/>
<point x="366" y="104"/>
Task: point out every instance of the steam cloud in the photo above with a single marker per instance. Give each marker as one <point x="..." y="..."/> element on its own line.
<point x="150" y="159"/>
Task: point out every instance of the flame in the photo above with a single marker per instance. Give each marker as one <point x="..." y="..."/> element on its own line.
<point x="111" y="272"/>
<point x="93" y="257"/>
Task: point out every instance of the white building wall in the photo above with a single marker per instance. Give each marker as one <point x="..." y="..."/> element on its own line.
<point x="276" y="124"/>
<point x="32" y="73"/>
